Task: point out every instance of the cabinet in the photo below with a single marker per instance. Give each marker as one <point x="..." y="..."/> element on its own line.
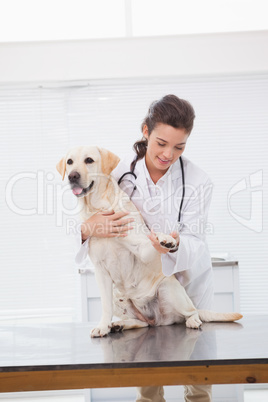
<point x="226" y="285"/>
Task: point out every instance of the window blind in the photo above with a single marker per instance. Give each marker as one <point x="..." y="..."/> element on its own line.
<point x="38" y="125"/>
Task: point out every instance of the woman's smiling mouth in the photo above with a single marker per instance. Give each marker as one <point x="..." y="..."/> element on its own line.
<point x="163" y="161"/>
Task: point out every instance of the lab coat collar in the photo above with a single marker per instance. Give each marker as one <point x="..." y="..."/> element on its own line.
<point x="141" y="171"/>
<point x="168" y="186"/>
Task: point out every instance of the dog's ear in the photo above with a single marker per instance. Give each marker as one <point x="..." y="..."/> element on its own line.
<point x="109" y="161"/>
<point x="61" y="167"/>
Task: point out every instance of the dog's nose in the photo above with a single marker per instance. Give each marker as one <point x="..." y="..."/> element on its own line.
<point x="74" y="177"/>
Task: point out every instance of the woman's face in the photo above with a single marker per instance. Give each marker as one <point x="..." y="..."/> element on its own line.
<point x="165" y="146"/>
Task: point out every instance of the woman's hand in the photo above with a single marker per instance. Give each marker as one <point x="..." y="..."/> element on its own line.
<point x="106" y="224"/>
<point x="155" y="242"/>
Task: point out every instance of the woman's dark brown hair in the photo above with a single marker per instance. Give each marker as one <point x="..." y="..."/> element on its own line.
<point x="169" y="110"/>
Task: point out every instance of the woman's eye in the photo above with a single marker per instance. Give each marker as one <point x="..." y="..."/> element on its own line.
<point x="161" y="145"/>
<point x="180" y="149"/>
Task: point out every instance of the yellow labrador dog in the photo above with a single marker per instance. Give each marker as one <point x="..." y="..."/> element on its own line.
<point x="128" y="269"/>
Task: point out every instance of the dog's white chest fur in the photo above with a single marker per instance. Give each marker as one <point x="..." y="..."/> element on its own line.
<point x="131" y="277"/>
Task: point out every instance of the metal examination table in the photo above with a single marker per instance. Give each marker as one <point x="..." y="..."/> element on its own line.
<point x="63" y="356"/>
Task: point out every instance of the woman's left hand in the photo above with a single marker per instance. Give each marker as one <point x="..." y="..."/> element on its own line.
<point x="155" y="242"/>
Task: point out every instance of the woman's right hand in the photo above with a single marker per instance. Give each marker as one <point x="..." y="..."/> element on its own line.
<point x="106" y="224"/>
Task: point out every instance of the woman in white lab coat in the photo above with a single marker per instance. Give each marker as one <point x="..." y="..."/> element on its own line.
<point x="157" y="193"/>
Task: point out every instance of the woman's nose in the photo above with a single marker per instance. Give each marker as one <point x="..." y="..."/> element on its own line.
<point x="168" y="153"/>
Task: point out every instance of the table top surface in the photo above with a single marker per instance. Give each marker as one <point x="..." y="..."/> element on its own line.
<point x="69" y="346"/>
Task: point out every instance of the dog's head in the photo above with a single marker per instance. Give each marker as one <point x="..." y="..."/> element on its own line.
<point x="85" y="166"/>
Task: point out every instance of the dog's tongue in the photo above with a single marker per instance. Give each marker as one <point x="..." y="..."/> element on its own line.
<point x="77" y="190"/>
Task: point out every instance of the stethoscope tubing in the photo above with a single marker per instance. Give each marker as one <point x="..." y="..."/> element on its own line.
<point x="183" y="188"/>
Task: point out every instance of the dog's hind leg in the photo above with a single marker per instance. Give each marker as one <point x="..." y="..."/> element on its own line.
<point x="130" y="323"/>
<point x="176" y="304"/>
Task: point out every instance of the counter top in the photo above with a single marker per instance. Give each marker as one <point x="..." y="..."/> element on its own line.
<point x="57" y="346"/>
<point x="63" y="356"/>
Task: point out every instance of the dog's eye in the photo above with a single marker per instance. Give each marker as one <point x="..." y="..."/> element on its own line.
<point x="69" y="162"/>
<point x="89" y="160"/>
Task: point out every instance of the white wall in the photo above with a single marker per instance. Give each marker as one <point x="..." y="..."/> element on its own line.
<point x="224" y="53"/>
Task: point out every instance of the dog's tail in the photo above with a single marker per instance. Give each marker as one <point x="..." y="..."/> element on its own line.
<point x="212" y="316"/>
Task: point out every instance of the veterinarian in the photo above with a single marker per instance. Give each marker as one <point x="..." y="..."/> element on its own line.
<point x="173" y="196"/>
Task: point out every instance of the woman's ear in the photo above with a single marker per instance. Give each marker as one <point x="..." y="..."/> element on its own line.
<point x="145" y="131"/>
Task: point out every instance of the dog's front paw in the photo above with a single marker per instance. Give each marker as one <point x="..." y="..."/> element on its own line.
<point x="194" y="322"/>
<point x="166" y="241"/>
<point x="100" y="331"/>
<point x="117" y="326"/>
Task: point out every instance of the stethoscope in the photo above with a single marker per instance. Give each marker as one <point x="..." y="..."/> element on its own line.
<point x="131" y="172"/>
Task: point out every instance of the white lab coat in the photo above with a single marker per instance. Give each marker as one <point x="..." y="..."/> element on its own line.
<point x="159" y="205"/>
